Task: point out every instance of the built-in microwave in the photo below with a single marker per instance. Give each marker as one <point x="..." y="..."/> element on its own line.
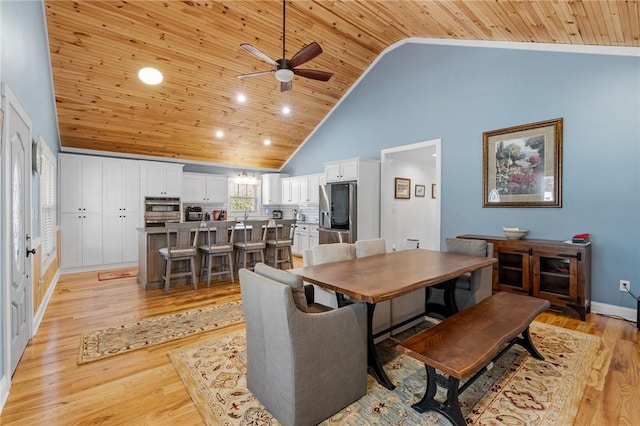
<point x="160" y="210"/>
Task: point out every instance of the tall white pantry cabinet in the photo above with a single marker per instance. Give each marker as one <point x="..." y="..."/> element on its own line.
<point x="121" y="213"/>
<point x="100" y="209"/>
<point x="80" y="211"/>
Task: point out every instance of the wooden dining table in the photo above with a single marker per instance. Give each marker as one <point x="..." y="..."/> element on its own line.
<point x="374" y="279"/>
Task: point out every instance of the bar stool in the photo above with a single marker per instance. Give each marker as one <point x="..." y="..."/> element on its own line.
<point x="219" y="245"/>
<point x="283" y="240"/>
<point x="185" y="236"/>
<point x="255" y="234"/>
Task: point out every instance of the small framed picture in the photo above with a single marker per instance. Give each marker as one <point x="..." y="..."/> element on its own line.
<point x="420" y="190"/>
<point x="433" y="190"/>
<point x="403" y="188"/>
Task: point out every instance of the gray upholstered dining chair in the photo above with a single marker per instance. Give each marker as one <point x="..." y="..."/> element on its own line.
<point x="327" y="253"/>
<point x="472" y="287"/>
<point x="370" y="247"/>
<point x="302" y="367"/>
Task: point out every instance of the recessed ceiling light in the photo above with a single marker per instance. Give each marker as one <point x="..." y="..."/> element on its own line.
<point x="286" y="110"/>
<point x="241" y="98"/>
<point x="219" y="134"/>
<point x="150" y="76"/>
<point x="267" y="141"/>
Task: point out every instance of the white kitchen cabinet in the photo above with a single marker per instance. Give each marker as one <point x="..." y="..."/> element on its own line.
<point x="161" y="179"/>
<point x="81" y="239"/>
<point x="80" y="211"/>
<point x="204" y="188"/>
<point x="313" y="236"/>
<point x="121" y="210"/>
<point x="314" y="188"/>
<point x="291" y="190"/>
<point x="308" y="188"/>
<point x="217" y="189"/>
<point x="80" y="184"/>
<point x="121" y="186"/>
<point x="120" y="237"/>
<point x="340" y="171"/>
<point x="272" y="188"/>
<point x="300" y="239"/>
<point x="301" y="189"/>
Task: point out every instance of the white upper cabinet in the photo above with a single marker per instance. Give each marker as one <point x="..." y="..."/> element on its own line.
<point x="80" y="184"/>
<point x="121" y="186"/>
<point x="272" y="188"/>
<point x="339" y="171"/>
<point x="301" y="189"/>
<point x="161" y="179"/>
<point x="203" y="188"/>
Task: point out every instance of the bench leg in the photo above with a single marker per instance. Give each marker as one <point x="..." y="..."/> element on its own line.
<point x="526" y="342"/>
<point x="450" y="409"/>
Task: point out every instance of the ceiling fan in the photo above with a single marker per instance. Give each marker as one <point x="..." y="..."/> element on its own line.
<point x="285" y="69"/>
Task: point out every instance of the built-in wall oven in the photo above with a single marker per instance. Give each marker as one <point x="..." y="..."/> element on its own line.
<point x="160" y="210"/>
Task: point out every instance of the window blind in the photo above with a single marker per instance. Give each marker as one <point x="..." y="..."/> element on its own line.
<point x="48" y="179"/>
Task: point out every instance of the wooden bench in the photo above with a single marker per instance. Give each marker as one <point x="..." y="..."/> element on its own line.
<point x="467" y="342"/>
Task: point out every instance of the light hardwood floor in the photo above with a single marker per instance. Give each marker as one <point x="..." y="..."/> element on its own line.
<point x="142" y="387"/>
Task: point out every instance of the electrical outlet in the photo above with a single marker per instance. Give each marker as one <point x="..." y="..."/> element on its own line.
<point x="625" y="285"/>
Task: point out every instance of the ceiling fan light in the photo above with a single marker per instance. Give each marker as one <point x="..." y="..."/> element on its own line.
<point x="284" y="75"/>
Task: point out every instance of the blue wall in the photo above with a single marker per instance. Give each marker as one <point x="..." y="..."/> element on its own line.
<point x="26" y="70"/>
<point x="25" y="67"/>
<point x="420" y="92"/>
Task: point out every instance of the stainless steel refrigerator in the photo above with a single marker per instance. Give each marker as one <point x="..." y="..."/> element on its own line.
<point x="338" y="213"/>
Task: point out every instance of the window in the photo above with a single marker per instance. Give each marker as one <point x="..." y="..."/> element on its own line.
<point x="243" y="197"/>
<point x="48" y="178"/>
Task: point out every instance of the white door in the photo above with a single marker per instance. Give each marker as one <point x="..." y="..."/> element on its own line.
<point x="18" y="241"/>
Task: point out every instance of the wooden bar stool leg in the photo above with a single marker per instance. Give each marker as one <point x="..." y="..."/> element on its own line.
<point x="194" y="277"/>
<point x="231" y="268"/>
<point x="167" y="275"/>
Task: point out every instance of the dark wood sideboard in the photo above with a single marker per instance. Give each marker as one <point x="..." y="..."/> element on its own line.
<point x="548" y="269"/>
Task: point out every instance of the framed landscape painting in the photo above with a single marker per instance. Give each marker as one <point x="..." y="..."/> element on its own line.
<point x="402" y="188"/>
<point x="522" y="165"/>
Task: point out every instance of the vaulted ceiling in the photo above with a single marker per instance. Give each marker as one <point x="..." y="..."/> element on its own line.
<point x="97" y="48"/>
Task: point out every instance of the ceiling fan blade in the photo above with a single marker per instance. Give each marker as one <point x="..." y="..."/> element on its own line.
<point x="258" y="54"/>
<point x="314" y="74"/>
<point x="254" y="74"/>
<point x="285" y="85"/>
<point x="305" y="54"/>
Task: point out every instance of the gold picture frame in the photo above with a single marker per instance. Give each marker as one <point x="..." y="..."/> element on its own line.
<point x="402" y="188"/>
<point x="522" y="165"/>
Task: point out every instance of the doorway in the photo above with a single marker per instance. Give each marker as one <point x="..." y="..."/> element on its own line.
<point x="17" y="259"/>
<point x="407" y="223"/>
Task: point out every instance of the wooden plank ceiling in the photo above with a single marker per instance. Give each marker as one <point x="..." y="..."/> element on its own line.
<point x="97" y="48"/>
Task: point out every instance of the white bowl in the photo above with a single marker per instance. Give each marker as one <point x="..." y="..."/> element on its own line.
<point x="514" y="233"/>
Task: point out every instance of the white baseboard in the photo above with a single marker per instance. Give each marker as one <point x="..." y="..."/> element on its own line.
<point x="37" y="319"/>
<point x="629" y="314"/>
<point x="5" y="384"/>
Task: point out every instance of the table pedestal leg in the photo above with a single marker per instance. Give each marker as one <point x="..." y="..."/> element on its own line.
<point x="373" y="362"/>
<point x="450" y="306"/>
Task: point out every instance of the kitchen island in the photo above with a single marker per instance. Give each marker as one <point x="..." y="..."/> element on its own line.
<point x="150" y="241"/>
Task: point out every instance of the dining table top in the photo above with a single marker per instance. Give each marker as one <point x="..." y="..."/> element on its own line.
<point x="377" y="278"/>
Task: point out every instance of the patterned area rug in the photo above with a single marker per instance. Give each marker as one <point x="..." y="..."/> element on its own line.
<point x="518" y="390"/>
<point x="100" y="344"/>
<point x="116" y="275"/>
